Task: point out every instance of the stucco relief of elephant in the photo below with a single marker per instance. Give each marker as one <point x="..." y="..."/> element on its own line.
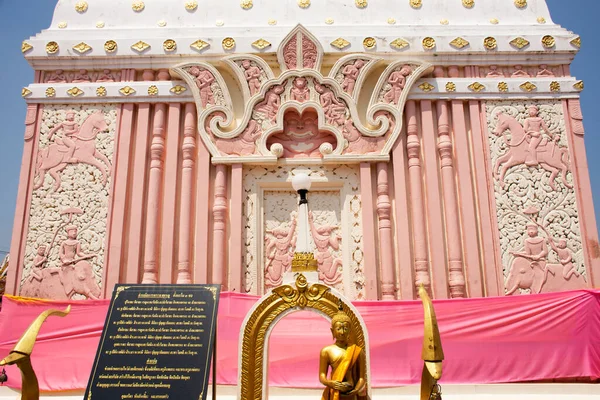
<point x="62" y="283"/>
<point x="525" y="274"/>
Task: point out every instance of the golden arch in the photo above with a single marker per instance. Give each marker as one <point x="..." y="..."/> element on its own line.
<point x="281" y="301"/>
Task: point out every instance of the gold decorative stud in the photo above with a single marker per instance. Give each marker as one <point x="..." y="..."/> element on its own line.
<point x="340" y="43"/>
<point x="444" y="22"/>
<point x="548" y="41"/>
<point x="74" y="92"/>
<point x="329" y="21"/>
<point x="459" y="43"/>
<point x="51" y="47"/>
<point x="25" y="92"/>
<point x="578" y="85"/>
<point x="261" y="44"/>
<point x="25" y="47"/>
<point x="360" y="3"/>
<point x="428" y="43"/>
<point x="521" y="3"/>
<point x="219" y="22"/>
<point x="138" y="6"/>
<point x="490" y="43"/>
<point x="140" y="46"/>
<point x="50" y="92"/>
<point x="272" y="22"/>
<point x="391" y="21"/>
<point x="178" y="89"/>
<point x="416" y="3"/>
<point x="246" y="4"/>
<point x="82" y="48"/>
<point x="228" y="43"/>
<point x="152" y="90"/>
<point x="554" y="86"/>
<point x="304" y="3"/>
<point x="369" y="43"/>
<point x="528" y="86"/>
<point x="127" y="91"/>
<point x="426" y="87"/>
<point x="519" y="42"/>
<point x="541" y="20"/>
<point x="162" y="23"/>
<point x="199" y="45"/>
<point x="81" y="6"/>
<point x="399" y="44"/>
<point x="62" y="25"/>
<point x="468" y="3"/>
<point x="476" y="87"/>
<point x="191" y="5"/>
<point x="575" y="42"/>
<point x="100" y="24"/>
<point x="101" y="91"/>
<point x="170" y="45"/>
<point x="494" y="21"/>
<point x="503" y="87"/>
<point x="110" y="46"/>
<point x="450" y="87"/>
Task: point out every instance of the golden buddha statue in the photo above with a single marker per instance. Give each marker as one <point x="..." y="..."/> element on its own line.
<point x="347" y="362"/>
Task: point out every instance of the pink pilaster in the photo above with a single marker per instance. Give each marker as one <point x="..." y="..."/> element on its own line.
<point x="405" y="279"/>
<point x="168" y="247"/>
<point x="201" y="242"/>
<point x="456" y="275"/>
<point x="220" y="225"/>
<point x="466" y="177"/>
<point x="490" y="240"/>
<point x="188" y="150"/>
<point x="19" y="232"/>
<point x="236" y="225"/>
<point x="137" y="209"/>
<point x="368" y="220"/>
<point x="581" y="178"/>
<point x="434" y="202"/>
<point x="157" y="149"/>
<point x="419" y="228"/>
<point x="386" y="249"/>
<point x="118" y="207"/>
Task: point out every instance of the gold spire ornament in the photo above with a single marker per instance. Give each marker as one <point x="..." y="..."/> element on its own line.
<point x="21" y="355"/>
<point x="432" y="353"/>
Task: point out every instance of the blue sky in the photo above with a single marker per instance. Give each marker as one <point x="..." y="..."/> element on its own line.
<point x="21" y="19"/>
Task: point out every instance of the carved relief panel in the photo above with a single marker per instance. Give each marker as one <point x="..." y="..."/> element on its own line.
<point x="270" y="216"/>
<point x="540" y="238"/>
<point x="68" y="214"/>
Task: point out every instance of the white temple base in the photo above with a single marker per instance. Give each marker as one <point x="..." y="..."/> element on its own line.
<point x="552" y="391"/>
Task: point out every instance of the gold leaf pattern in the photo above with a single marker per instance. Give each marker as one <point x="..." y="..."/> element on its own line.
<point x="304" y="3"/>
<point x="521" y="3"/>
<point x="503" y="87"/>
<point x="50" y="92"/>
<point x="110" y="46"/>
<point x="416" y="3"/>
<point x="140" y="46"/>
<point x="228" y="43"/>
<point x="369" y="43"/>
<point x="361" y="3"/>
<point x="25" y="92"/>
<point x="554" y="86"/>
<point x="152" y="90"/>
<point x="74" y="92"/>
<point x="246" y="4"/>
<point x="450" y="87"/>
<point x="399" y="43"/>
<point x="490" y="43"/>
<point x="138" y="6"/>
<point x="82" y="48"/>
<point x="468" y="3"/>
<point x="101" y="91"/>
<point x="476" y="87"/>
<point x="25" y="47"/>
<point x="340" y="43"/>
<point x="191" y="5"/>
<point x="81" y="6"/>
<point x="426" y="87"/>
<point x="575" y="42"/>
<point x="261" y="44"/>
<point x="127" y="91"/>
<point x="578" y="85"/>
<point x="548" y="41"/>
<point x="52" y="47"/>
<point x="178" y="89"/>
<point x="459" y="43"/>
<point x="170" y="45"/>
<point x="528" y="86"/>
<point x="519" y="42"/>
<point x="428" y="43"/>
<point x="199" y="45"/>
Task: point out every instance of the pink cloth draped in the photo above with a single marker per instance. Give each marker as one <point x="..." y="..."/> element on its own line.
<point x="485" y="340"/>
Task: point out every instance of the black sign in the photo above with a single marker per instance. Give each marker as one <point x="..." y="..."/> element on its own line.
<point x="157" y="343"/>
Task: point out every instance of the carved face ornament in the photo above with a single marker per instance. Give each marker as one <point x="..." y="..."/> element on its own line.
<point x="301" y="126"/>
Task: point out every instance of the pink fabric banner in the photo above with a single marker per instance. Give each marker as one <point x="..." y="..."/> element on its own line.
<point x="485" y="340"/>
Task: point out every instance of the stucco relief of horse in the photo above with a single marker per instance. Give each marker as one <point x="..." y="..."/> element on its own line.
<point x="55" y="158"/>
<point x="550" y="156"/>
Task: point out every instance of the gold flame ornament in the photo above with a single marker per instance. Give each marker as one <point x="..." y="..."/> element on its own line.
<point x="432" y="354"/>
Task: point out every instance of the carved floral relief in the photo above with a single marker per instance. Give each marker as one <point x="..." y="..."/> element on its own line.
<point x="335" y="220"/>
<point x="538" y="219"/>
<point x="65" y="244"/>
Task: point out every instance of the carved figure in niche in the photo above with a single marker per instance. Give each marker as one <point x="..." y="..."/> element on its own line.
<point x="279" y="250"/>
<point x="544" y="71"/>
<point x="351" y="72"/>
<point x="242" y="145"/>
<point x="534" y="125"/>
<point x="301" y="136"/>
<point x="519" y="72"/>
<point x="397" y="79"/>
<point x="325" y="237"/>
<point x="81" y="76"/>
<point x="69" y="128"/>
<point x="494" y="72"/>
<point x="270" y="105"/>
<point x="82" y="148"/>
<point x="57" y="76"/>
<point x="549" y="156"/>
<point x="252" y="74"/>
<point x="334" y="109"/>
<point x="204" y="79"/>
<point x="300" y="90"/>
<point x="105" y="76"/>
<point x="359" y="144"/>
<point x="347" y="362"/>
<point x="528" y="269"/>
